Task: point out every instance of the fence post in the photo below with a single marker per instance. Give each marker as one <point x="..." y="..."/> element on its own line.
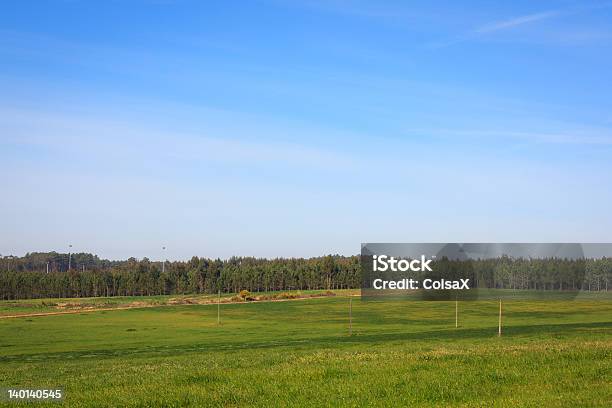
<point x="350" y="315"/>
<point x="499" y="331"/>
<point x="456" y="313"/>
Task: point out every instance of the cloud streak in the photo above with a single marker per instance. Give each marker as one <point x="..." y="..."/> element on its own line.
<point x="131" y="141"/>
<point x="515" y="22"/>
<point x="500" y="25"/>
<point x="599" y="137"/>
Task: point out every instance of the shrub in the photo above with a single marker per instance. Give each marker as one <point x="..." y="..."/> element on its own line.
<point x="287" y="295"/>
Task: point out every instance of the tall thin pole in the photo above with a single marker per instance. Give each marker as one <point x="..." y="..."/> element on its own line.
<point x="69" y="255"/>
<point x="456" y="313"/>
<point x="350" y="316"/>
<point x="219" y="308"/>
<point x="47" y="267"/>
<point x="164" y="260"/>
<point x="500" y="318"/>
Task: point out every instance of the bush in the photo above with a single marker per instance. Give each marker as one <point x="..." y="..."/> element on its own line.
<point x="244" y="294"/>
<point x="287" y="295"/>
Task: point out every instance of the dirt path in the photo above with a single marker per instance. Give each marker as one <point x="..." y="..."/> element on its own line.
<point x="77" y="311"/>
<point x="106" y="309"/>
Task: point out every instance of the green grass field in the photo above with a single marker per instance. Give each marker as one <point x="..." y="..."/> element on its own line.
<point x="299" y="353"/>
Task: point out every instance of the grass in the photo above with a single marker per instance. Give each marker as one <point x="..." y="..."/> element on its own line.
<point x="298" y="353"/>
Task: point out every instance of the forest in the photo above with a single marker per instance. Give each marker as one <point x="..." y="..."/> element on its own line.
<point x="52" y="274"/>
<point x="85" y="275"/>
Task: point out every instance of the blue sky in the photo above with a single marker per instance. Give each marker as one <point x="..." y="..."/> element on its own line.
<point x="300" y="128"/>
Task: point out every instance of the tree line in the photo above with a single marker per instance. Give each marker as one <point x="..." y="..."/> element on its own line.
<point x="27" y="277"/>
<point x="52" y="274"/>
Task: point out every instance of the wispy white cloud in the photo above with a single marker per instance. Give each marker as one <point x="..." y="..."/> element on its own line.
<point x="125" y="140"/>
<point x="580" y="136"/>
<point x="496" y="26"/>
<point x="517" y="21"/>
<point x="508" y="24"/>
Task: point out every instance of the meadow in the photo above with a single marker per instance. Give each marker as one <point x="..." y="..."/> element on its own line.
<point x="300" y="353"/>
